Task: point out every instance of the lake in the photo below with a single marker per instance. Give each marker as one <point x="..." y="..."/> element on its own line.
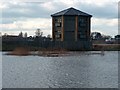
<point x="79" y="70"/>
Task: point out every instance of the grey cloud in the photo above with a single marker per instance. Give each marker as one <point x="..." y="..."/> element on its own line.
<point x="31" y="10"/>
<point x="35" y="10"/>
<point x="106" y="11"/>
<point x="11" y="20"/>
<point x="6" y="21"/>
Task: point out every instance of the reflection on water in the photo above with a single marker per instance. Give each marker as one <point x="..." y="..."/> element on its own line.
<point x="81" y="70"/>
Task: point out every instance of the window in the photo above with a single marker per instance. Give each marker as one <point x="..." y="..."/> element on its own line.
<point x="81" y="35"/>
<point x="58" y="24"/>
<point x="58" y="36"/>
<point x="58" y="20"/>
<point x="59" y="31"/>
<point x="55" y="20"/>
<point x="82" y="22"/>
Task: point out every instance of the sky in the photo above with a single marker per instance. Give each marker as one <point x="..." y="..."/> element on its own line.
<point x="29" y="15"/>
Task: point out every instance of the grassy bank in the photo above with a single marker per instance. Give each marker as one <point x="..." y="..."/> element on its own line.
<point x="106" y="47"/>
<point x="21" y="51"/>
<point x="24" y="51"/>
<point x="96" y="47"/>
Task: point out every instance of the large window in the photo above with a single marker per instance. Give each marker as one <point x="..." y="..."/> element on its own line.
<point x="58" y="20"/>
<point x="58" y="24"/>
<point x="81" y="35"/>
<point x="59" y="31"/>
<point x="58" y="36"/>
<point x="82" y="22"/>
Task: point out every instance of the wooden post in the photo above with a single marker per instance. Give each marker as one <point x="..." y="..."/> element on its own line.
<point x="76" y="28"/>
<point x="88" y="31"/>
<point x="62" y="34"/>
<point x="53" y="32"/>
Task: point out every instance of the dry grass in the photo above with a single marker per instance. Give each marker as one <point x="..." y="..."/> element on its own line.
<point x="20" y="51"/>
<point x="52" y="52"/>
<point x="106" y="47"/>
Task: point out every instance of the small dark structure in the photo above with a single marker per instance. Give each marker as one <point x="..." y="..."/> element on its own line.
<point x="71" y="28"/>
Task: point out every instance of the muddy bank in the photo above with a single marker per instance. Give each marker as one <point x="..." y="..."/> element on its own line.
<point x="21" y="51"/>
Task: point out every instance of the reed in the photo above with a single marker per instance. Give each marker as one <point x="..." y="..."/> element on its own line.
<point x="19" y="51"/>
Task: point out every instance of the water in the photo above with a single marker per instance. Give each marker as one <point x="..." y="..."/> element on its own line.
<point x="76" y="71"/>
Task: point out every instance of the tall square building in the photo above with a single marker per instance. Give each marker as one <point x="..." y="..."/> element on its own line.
<point x="71" y="25"/>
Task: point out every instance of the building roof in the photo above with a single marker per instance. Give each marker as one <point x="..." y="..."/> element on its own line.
<point x="71" y="11"/>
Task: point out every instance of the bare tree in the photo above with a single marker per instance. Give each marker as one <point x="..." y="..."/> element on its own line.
<point x="20" y="34"/>
<point x="5" y="34"/>
<point x="38" y="33"/>
<point x="0" y="34"/>
<point x="25" y="35"/>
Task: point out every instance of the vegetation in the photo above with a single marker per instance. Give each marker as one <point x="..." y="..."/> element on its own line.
<point x="106" y="47"/>
<point x="44" y="44"/>
<point x="20" y="52"/>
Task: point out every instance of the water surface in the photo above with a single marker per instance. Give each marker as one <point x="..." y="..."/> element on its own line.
<point x="80" y="70"/>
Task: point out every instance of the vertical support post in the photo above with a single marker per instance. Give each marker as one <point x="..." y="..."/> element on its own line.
<point x="88" y="31"/>
<point x="76" y="28"/>
<point x="53" y="32"/>
<point x="62" y="34"/>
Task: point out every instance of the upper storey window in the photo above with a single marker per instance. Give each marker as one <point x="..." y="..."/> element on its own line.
<point x="58" y="22"/>
<point x="82" y="22"/>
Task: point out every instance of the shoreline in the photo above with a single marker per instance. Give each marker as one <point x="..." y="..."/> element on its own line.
<point x="68" y="53"/>
<point x="95" y="47"/>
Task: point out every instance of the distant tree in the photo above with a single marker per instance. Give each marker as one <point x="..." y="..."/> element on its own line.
<point x="99" y="35"/>
<point x="0" y="34"/>
<point x="38" y="33"/>
<point x="25" y="35"/>
<point x="30" y="37"/>
<point x="5" y="34"/>
<point x="96" y="35"/>
<point x="117" y="37"/>
<point x="106" y="37"/>
<point x="20" y="34"/>
<point x="48" y="36"/>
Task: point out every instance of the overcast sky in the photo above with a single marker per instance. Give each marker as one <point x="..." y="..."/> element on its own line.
<point x="27" y="16"/>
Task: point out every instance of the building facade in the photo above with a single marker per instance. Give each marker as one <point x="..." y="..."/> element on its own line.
<point x="71" y="26"/>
